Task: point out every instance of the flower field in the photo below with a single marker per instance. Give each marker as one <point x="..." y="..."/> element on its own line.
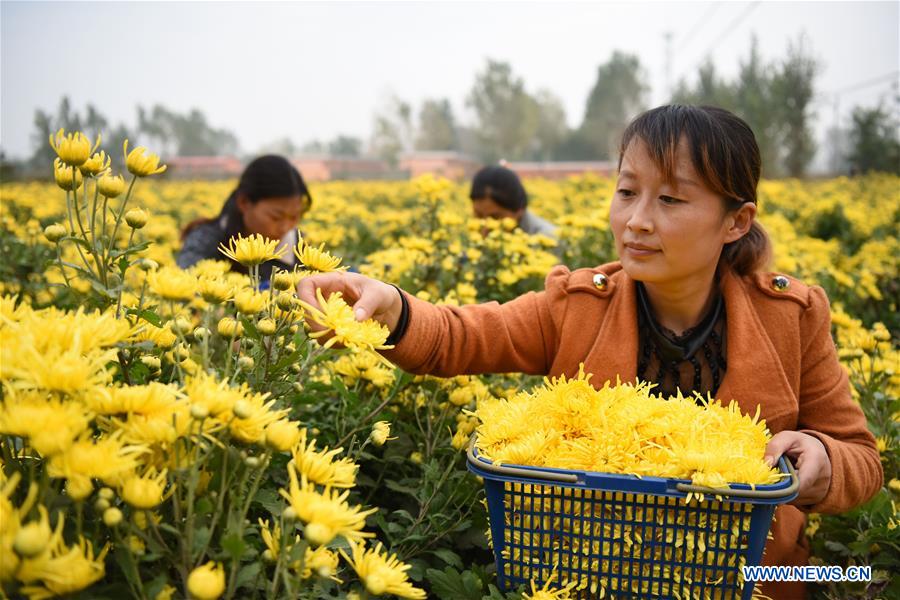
<point x="174" y="434"/>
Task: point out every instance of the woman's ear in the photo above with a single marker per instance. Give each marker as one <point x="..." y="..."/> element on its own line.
<point x="740" y="221"/>
<point x="243" y="202"/>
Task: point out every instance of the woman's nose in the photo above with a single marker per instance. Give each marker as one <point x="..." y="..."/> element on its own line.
<point x="641" y="218"/>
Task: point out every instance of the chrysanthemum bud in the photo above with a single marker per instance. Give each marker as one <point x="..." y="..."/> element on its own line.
<point x="268" y="556"/>
<point x="106" y="493"/>
<point x="181" y="325"/>
<point x="201" y="333"/>
<point x="31" y="539"/>
<point x="230" y="328"/>
<point x="282" y="281"/>
<point x="207" y="582"/>
<point x="289" y="514"/>
<point x="198" y="411"/>
<point x="79" y="488"/>
<point x="296" y="367"/>
<point x="267" y="326"/>
<point x="111" y="186"/>
<point x="380" y="432"/>
<point x="54" y="232"/>
<point x="180" y="353"/>
<point x="252" y="461"/>
<point x="245" y="363"/>
<point x="242" y="409"/>
<point x="284" y="301"/>
<point x="318" y="533"/>
<point x="147" y="264"/>
<point x="282" y="435"/>
<point x="113" y="281"/>
<point x="298" y="387"/>
<point x="153" y="363"/>
<point x="112" y="516"/>
<point x="101" y="504"/>
<point x="136" y="218"/>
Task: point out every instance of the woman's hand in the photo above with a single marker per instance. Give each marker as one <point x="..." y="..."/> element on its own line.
<point x="370" y="298"/>
<point x="810" y="459"/>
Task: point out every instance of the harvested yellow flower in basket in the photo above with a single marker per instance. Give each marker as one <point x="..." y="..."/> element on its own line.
<point x="625" y="494"/>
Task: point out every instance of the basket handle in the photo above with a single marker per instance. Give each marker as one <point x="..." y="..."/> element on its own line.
<point x="759" y="494"/>
<point x="490" y="467"/>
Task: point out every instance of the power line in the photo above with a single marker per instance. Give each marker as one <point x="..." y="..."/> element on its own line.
<point x="863" y="84"/>
<point x="702" y="21"/>
<point x="728" y="29"/>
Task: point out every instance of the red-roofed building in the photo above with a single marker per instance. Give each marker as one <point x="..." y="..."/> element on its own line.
<point x="452" y="165"/>
<point x="327" y="168"/>
<point x="203" y="167"/>
<point x="562" y="169"/>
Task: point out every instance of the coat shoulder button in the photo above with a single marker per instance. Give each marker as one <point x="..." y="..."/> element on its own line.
<point x="780" y="283"/>
<point x="600" y="281"/>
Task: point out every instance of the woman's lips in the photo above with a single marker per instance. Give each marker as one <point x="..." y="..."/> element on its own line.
<point x="637" y="250"/>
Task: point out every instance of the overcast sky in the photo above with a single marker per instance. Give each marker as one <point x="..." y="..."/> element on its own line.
<point x="315" y="70"/>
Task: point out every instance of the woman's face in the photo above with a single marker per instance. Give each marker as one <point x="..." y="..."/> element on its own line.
<point x="487" y="208"/>
<point x="271" y="217"/>
<point x="670" y="232"/>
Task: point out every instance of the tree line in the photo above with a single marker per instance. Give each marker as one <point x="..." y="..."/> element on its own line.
<point x="776" y="98"/>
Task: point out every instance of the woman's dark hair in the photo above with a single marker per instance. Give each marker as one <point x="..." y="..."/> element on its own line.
<point x="725" y="155"/>
<point x="500" y="185"/>
<point x="269" y="176"/>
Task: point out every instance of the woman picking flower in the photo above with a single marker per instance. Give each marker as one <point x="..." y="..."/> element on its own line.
<point x="688" y="306"/>
<point x="270" y="200"/>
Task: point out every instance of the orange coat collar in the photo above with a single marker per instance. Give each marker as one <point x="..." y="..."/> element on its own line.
<point x="754" y="374"/>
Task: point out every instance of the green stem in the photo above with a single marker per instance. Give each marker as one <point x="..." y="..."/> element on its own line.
<point x="112" y="239"/>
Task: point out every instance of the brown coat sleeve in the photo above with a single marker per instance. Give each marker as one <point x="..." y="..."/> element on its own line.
<point x="828" y="412"/>
<point x="518" y="336"/>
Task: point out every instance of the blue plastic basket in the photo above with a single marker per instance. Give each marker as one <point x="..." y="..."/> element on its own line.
<point x="620" y="536"/>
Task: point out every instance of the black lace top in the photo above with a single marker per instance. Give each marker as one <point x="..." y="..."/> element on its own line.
<point x="691" y="362"/>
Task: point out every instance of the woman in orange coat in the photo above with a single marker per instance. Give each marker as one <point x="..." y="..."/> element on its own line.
<point x="688" y="307"/>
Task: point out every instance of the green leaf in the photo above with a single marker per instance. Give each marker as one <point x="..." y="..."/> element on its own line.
<point x="201" y="537"/>
<point x="234" y="546"/>
<point x="248" y="574"/>
<point x="450" y="584"/>
<point x="450" y="557"/>
<point x="270" y="500"/>
<point x="147" y="315"/>
<point x="203" y="507"/>
<point x="403" y="489"/>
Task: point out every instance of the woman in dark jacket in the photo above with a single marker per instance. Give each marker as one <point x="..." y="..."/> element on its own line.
<point x="270" y="199"/>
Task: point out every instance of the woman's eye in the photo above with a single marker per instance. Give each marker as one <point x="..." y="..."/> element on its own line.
<point x="669" y="200"/>
<point x="625" y="192"/>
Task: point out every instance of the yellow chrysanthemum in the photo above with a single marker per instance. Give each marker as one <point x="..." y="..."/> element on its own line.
<point x="145" y="491"/>
<point x="316" y="258"/>
<point x="250" y="302"/>
<point x="73" y="149"/>
<point x="282" y="435"/>
<point x="321" y="467"/>
<point x="109" y="459"/>
<point x="252" y="250"/>
<point x="257" y="414"/>
<point x="67" y="178"/>
<point x="380" y="572"/>
<point x="327" y="514"/>
<point x="97" y="163"/>
<point x="338" y="317"/>
<point x="49" y="425"/>
<point x="141" y="164"/>
<point x="545" y="593"/>
<point x="65" y="570"/>
<point x="171" y="283"/>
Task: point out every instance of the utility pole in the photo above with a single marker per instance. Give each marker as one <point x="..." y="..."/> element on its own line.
<point x="668" y="58"/>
